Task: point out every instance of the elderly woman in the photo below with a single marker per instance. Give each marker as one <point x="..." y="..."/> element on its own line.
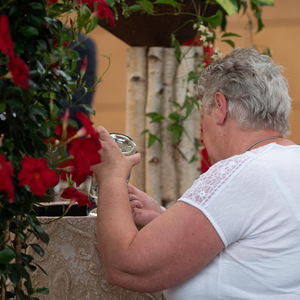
<point x="235" y="234"/>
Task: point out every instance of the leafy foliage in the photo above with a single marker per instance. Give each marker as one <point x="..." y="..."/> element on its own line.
<point x="40" y="35"/>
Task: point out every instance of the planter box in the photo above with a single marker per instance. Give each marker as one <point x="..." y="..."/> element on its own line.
<point x="148" y="31"/>
<point x="74" y="266"/>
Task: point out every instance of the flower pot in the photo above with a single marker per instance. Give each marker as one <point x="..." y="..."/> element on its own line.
<point x="148" y="31"/>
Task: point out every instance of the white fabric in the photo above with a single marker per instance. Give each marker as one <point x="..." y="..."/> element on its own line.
<point x="253" y="202"/>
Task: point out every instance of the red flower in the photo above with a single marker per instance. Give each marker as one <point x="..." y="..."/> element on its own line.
<point x="83" y="66"/>
<point x="71" y="131"/>
<point x="207" y="54"/>
<point x="19" y="71"/>
<point x="36" y="173"/>
<point x="85" y="153"/>
<point x="6" y="174"/>
<point x="86" y="149"/>
<point x="50" y="2"/>
<point x="78" y="168"/>
<point x="205" y="160"/>
<point x="88" y="124"/>
<point x="76" y="196"/>
<point x="55" y="43"/>
<point x="6" y="43"/>
<point x="102" y="11"/>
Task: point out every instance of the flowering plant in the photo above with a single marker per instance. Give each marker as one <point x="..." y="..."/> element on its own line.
<point x="37" y="63"/>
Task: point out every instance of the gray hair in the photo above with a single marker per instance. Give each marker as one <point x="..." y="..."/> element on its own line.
<point x="255" y="89"/>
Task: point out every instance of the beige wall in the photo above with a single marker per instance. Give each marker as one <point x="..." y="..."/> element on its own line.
<point x="281" y="34"/>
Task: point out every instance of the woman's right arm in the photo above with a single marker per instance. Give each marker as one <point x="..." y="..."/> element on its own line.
<point x="144" y="207"/>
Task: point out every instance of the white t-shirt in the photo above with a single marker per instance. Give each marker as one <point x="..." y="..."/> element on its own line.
<point x="253" y="202"/>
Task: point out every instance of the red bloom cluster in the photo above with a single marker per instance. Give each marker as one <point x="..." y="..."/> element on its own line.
<point x="6" y="43"/>
<point x="6" y="174"/>
<point x="17" y="67"/>
<point x="101" y="11"/>
<point x="50" y="2"/>
<point x="83" y="150"/>
<point x="83" y="66"/>
<point x="36" y="174"/>
<point x="76" y="196"/>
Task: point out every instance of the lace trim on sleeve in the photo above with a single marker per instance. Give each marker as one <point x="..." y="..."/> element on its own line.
<point x="209" y="184"/>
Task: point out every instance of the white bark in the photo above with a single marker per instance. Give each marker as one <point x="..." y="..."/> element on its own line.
<point x="154" y="96"/>
<point x="185" y="169"/>
<point x="197" y="113"/>
<point x="135" y="107"/>
<point x="168" y="173"/>
<point x="154" y="80"/>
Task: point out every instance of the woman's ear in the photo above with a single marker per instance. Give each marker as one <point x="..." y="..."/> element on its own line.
<point x="220" y="108"/>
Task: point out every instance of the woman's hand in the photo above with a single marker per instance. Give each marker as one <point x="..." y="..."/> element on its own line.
<point x="144" y="207"/>
<point x="114" y="163"/>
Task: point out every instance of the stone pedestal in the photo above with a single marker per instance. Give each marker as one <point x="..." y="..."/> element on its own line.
<point x="74" y="266"/>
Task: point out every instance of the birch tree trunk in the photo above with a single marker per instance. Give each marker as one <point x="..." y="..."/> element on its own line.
<point x="135" y="107"/>
<point x="154" y="99"/>
<point x="154" y="80"/>
<point x="197" y="114"/>
<point x="169" y="182"/>
<point x="185" y="169"/>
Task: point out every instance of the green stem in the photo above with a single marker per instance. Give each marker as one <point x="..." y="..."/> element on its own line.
<point x="18" y="248"/>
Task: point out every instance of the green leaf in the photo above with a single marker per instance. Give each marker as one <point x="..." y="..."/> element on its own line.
<point x="27" y="259"/>
<point x="155" y="117"/>
<point x="197" y="143"/>
<point x="230" y="6"/>
<point x="21" y="234"/>
<point x="215" y="20"/>
<point x="43" y="291"/>
<point x="41" y="268"/>
<point x="2" y="107"/>
<point x="6" y="255"/>
<point x="152" y="139"/>
<point x="29" y="31"/>
<point x="227" y="34"/>
<point x="14" y="275"/>
<point x="176" y="45"/>
<point x="42" y="234"/>
<point x="169" y="2"/>
<point x="189" y="108"/>
<point x="32" y="268"/>
<point x="38" y="249"/>
<point x="193" y="158"/>
<point x="15" y="104"/>
<point x="176" y="130"/>
<point x="263" y="2"/>
<point x="143" y="5"/>
<point x="38" y="110"/>
<point x="192" y="100"/>
<point x="35" y="20"/>
<point x="229" y="42"/>
<point x="36" y="6"/>
<point x="176" y="104"/>
<point x="145" y="131"/>
<point x="88" y="108"/>
<point x="176" y="117"/>
<point x="28" y="286"/>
